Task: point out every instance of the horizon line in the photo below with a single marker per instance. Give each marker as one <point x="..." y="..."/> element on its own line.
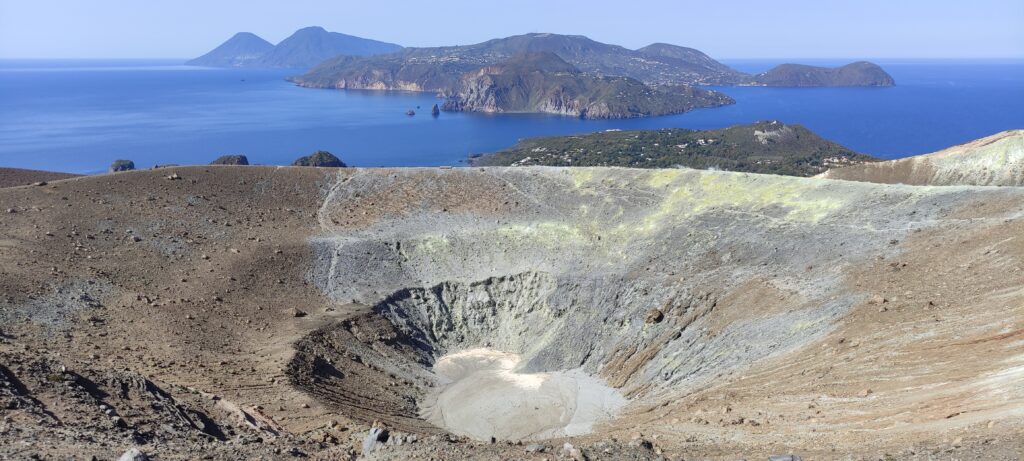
<point x="730" y="58"/>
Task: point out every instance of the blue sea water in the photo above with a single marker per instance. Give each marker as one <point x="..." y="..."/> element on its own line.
<point x="78" y="116"/>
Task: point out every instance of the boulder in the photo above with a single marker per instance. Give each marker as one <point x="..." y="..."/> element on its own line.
<point x="376" y="435"/>
<point x="122" y="165"/>
<point x="654" y="316"/>
<point x="435" y="111"/>
<point x="133" y="454"/>
<point x="320" y="158"/>
<point x="231" y="160"/>
<point x="536" y="448"/>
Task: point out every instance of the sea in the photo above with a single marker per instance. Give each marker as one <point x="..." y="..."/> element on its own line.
<point x="79" y="115"/>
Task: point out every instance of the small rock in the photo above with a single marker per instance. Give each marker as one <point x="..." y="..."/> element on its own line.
<point x="173" y="177"/>
<point x="376" y="436"/>
<point x="877" y="299"/>
<point x="654" y="316"/>
<point x="784" y="458"/>
<point x="535" y="448"/>
<point x="39" y="184"/>
<point x="133" y="454"/>
<point x="865" y="393"/>
<point x="11" y="211"/>
<point x="298" y="313"/>
<point x="571" y="452"/>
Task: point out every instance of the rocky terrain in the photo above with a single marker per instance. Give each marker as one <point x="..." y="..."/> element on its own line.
<point x="861" y="73"/>
<point x="302" y="50"/>
<point x="231" y="160"/>
<point x="763" y="147"/>
<point x="11" y="177"/>
<point x="320" y="158"/>
<point x="997" y="160"/>
<point x="228" y="312"/>
<point x="543" y="82"/>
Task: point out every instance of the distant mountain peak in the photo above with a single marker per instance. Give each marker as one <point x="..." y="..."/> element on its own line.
<point x="303" y="49"/>
<point x="241" y="50"/>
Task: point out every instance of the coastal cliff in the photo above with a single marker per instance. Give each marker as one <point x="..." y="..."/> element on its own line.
<point x="545" y="83"/>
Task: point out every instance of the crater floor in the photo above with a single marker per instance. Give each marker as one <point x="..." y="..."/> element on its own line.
<point x="482" y="395"/>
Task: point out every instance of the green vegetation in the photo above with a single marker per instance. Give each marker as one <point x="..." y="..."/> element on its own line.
<point x="764" y="147"/>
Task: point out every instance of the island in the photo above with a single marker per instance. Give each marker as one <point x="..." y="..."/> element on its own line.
<point x="440" y="69"/>
<point x="302" y="50"/>
<point x="590" y="80"/>
<point x="861" y="73"/>
<point x="764" y="147"/>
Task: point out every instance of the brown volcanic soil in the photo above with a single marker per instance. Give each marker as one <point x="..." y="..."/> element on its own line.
<point x="13" y="177"/>
<point x="137" y="310"/>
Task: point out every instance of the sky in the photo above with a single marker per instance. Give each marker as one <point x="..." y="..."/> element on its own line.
<point x="725" y="29"/>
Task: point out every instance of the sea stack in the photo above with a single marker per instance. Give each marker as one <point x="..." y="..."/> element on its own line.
<point x="320" y="158"/>
<point x="231" y="160"/>
<point x="435" y="111"/>
<point x="122" y="165"/>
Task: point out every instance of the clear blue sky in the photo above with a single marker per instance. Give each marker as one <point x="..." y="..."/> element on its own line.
<point x="721" y="28"/>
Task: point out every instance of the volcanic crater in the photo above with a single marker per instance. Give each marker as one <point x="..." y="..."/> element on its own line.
<point x="692" y="312"/>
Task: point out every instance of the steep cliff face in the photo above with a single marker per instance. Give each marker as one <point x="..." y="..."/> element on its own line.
<point x="543" y="82"/>
<point x="392" y="72"/>
<point x="997" y="160"/>
<point x="860" y="73"/>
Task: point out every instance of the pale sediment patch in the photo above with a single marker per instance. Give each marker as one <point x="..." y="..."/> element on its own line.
<point x="483" y="396"/>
